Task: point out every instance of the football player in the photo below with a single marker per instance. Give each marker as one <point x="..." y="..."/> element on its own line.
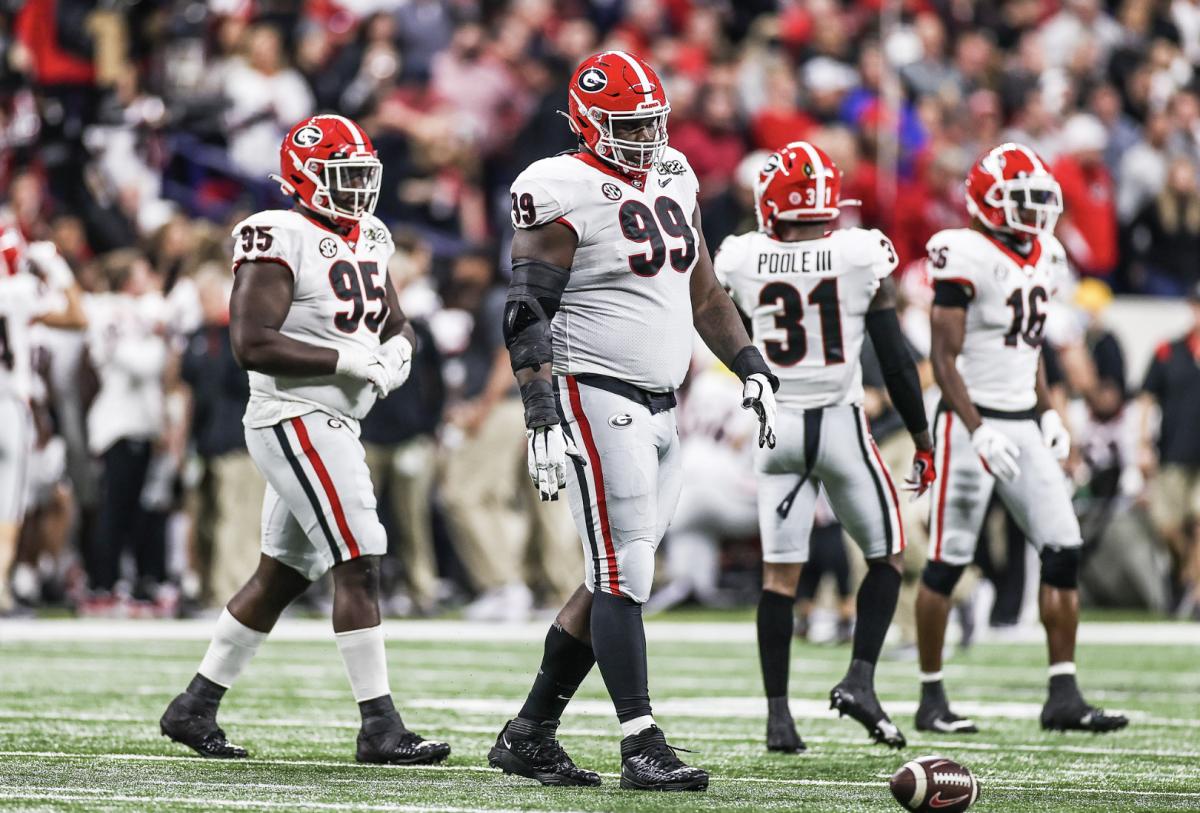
<point x="36" y="285"/>
<point x="610" y="278"/>
<point x="995" y="428"/>
<point x="811" y="293"/>
<point x="315" y="321"/>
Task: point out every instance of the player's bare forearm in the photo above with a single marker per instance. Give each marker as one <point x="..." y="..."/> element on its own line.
<point x="949" y="330"/>
<point x="714" y="315"/>
<point x="72" y="316"/>
<point x="1042" y="388"/>
<point x="262" y="296"/>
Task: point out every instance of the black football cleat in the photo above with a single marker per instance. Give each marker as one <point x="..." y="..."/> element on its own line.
<point x="1074" y="714"/>
<point x="384" y="740"/>
<point x="781" y="731"/>
<point x="193" y="723"/>
<point x="861" y="704"/>
<point x="939" y="718"/>
<point x="648" y="763"/>
<point x="532" y="750"/>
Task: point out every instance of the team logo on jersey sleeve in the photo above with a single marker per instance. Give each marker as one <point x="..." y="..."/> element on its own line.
<point x="327" y="247"/>
<point x="611" y="191"/>
<point x="307" y="136"/>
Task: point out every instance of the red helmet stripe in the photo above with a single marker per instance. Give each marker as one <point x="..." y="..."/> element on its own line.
<point x="355" y="133"/>
<point x="1032" y="156"/>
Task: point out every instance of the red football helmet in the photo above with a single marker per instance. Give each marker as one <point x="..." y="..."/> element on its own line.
<point x="611" y="94"/>
<point x="330" y="165"/>
<point x="1011" y="190"/>
<point x="799" y="182"/>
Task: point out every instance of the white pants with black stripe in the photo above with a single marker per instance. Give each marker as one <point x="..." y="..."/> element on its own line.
<point x="831" y="447"/>
<point x="1037" y="499"/>
<point x="319" y="508"/>
<point x="625" y="496"/>
<point x="16" y="449"/>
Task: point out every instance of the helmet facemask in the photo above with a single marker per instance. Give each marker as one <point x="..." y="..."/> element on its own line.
<point x="346" y="188"/>
<point x="630" y="154"/>
<point x="1031" y="204"/>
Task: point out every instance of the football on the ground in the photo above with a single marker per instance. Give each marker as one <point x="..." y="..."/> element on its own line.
<point x="930" y="784"/>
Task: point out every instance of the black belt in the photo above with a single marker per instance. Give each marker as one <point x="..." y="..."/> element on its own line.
<point x="654" y="401"/>
<point x="1000" y="414"/>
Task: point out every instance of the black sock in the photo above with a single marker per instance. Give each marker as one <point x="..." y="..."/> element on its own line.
<point x="876" y="605"/>
<point x="206" y="693"/>
<point x="1064" y="686"/>
<point x="775" y="640"/>
<point x="565" y="663"/>
<point x="377" y="707"/>
<point x="933" y="693"/>
<point x="619" y="642"/>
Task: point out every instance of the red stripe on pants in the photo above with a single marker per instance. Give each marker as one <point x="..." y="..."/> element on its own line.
<point x="892" y="489"/>
<point x="314" y="459"/>
<point x="589" y="445"/>
<point x="945" y="475"/>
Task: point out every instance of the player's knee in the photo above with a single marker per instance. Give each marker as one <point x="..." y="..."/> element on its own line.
<point x="941" y="577"/>
<point x="636" y="566"/>
<point x="358" y="577"/>
<point x="1060" y="568"/>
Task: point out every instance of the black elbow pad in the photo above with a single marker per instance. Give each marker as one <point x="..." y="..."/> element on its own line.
<point x="533" y="299"/>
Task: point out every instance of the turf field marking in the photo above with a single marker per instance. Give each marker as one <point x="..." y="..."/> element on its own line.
<point x="71" y="795"/>
<point x="570" y="732"/>
<point x="716" y="632"/>
<point x="754" y="780"/>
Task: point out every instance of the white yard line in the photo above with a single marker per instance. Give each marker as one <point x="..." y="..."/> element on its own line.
<point x="296" y="629"/>
<point x="570" y="731"/>
<point x="14" y="791"/>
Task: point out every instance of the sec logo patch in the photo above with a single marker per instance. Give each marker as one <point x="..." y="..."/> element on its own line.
<point x="327" y="247"/>
<point x="620" y="421"/>
<point x="611" y="191"/>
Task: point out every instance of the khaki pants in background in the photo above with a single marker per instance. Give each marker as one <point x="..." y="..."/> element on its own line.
<point x="404" y="475"/>
<point x="235" y="523"/>
<point x="498" y="523"/>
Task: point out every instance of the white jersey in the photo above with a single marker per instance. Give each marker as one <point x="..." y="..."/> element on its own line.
<point x="808" y="302"/>
<point x="339" y="301"/>
<point x="1009" y="300"/>
<point x="23" y="298"/>
<point x="627" y="309"/>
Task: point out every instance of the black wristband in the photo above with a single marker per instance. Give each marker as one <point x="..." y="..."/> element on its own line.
<point x="541" y="407"/>
<point x="749" y="361"/>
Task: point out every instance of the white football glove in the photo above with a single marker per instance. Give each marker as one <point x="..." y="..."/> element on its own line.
<point x="999" y="454"/>
<point x="396" y="356"/>
<point x="1055" y="434"/>
<point x="548" y="449"/>
<point x="758" y="395"/>
<point x="357" y="363"/>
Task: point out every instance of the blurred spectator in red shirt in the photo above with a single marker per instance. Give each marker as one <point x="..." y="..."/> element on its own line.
<point x="780" y="120"/>
<point x="712" y="140"/>
<point x="931" y="202"/>
<point x="1088" y="226"/>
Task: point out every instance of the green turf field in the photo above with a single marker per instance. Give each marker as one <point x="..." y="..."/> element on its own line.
<point x="79" y="705"/>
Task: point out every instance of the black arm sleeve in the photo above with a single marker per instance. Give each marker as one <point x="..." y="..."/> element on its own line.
<point x="533" y="297"/>
<point x="899" y="370"/>
<point x="951" y="294"/>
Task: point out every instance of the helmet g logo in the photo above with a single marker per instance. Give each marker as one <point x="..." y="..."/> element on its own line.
<point x="307" y="136"/>
<point x="593" y="80"/>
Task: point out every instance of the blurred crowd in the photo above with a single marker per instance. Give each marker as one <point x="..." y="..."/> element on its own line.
<point x="134" y="134"/>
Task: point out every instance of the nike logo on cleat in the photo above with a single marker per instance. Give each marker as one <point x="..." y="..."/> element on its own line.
<point x="504" y="739"/>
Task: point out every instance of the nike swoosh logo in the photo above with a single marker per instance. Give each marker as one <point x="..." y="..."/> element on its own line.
<point x="664" y="181"/>
<point x="504" y="739"/>
<point x="561" y="697"/>
<point x="938" y="802"/>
